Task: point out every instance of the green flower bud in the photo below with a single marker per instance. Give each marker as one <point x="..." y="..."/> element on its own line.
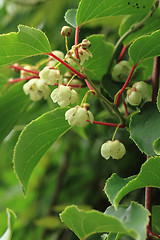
<point x="85" y="44"/>
<point x="134" y="97"/>
<point x="66" y="31"/>
<point x="142" y="88"/>
<point x="121" y="71"/>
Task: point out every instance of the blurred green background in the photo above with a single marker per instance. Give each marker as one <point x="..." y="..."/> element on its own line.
<point x="72" y="171"/>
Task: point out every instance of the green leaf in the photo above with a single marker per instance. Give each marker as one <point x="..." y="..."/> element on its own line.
<point x="156" y="146"/>
<point x="134" y="217"/>
<point x="11" y="219"/>
<point x="87" y="223"/>
<point x="25" y="43"/>
<point x="146" y="47"/>
<point x="158" y="100"/>
<point x="35" y="140"/>
<point x="116" y="187"/>
<point x="70" y="17"/>
<point x="151" y="25"/>
<point x="12" y="105"/>
<point x="145" y="128"/>
<point x="156" y="219"/>
<point x="102" y="52"/>
<point x="89" y="10"/>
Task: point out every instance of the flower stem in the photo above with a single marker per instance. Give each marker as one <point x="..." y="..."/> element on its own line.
<point x="22" y="79"/>
<point x="125" y="85"/>
<point x="152" y="233"/>
<point x="108" y="124"/>
<point x="122" y="53"/>
<point x="125" y="107"/>
<point x="76" y="41"/>
<point x="21" y="68"/>
<point x="90" y="87"/>
<point x="67" y="65"/>
<point x="115" y="132"/>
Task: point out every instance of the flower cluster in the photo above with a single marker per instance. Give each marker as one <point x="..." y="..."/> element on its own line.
<point x="82" y="51"/>
<point x="38" y="88"/>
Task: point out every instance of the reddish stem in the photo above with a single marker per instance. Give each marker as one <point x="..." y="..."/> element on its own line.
<point x="126" y="84"/>
<point x="21" y="68"/>
<point x="122" y="53"/>
<point x="76" y="41"/>
<point x="152" y="233"/>
<point x="22" y="79"/>
<point x="56" y="84"/>
<point x="108" y="124"/>
<point x="125" y="107"/>
<point x="90" y="87"/>
<point x="67" y="65"/>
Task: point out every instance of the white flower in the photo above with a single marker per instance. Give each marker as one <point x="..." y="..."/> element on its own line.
<point x="50" y="76"/>
<point x="78" y="116"/>
<point x="84" y="54"/>
<point x="114" y="149"/>
<point x="53" y="61"/>
<point x="37" y="89"/>
<point x="64" y="95"/>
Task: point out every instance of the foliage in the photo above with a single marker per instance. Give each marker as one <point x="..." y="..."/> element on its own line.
<point x="57" y="179"/>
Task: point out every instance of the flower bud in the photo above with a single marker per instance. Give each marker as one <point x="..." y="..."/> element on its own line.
<point x="142" y="88"/>
<point x="85" y="44"/>
<point x="114" y="149"/>
<point x="50" y="76"/>
<point x="66" y="31"/>
<point x="134" y="97"/>
<point x="78" y="116"/>
<point x="64" y="96"/>
<point x="121" y="71"/>
<point x="37" y="89"/>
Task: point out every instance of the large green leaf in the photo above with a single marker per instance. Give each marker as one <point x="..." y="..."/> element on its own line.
<point x="145" y="128"/>
<point x="70" y="17"/>
<point x="116" y="187"/>
<point x="156" y="219"/>
<point x="102" y="52"/>
<point x="35" y="140"/>
<point x="86" y="223"/>
<point x="145" y="47"/>
<point x="151" y="25"/>
<point x="12" y="105"/>
<point x="11" y="219"/>
<point x="89" y="10"/>
<point x="26" y="42"/>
